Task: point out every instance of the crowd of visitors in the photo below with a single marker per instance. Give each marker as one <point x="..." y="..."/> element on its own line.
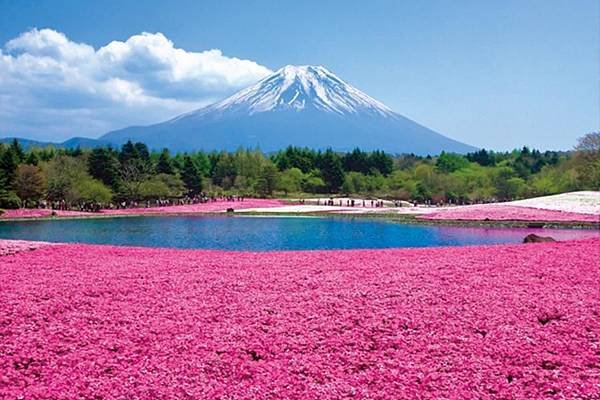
<point x="378" y="203"/>
<point x="355" y="202"/>
<point x="96" y="207"/>
<point x="205" y="198"/>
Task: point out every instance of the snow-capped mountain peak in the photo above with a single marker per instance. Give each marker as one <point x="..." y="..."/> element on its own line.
<point x="306" y="106"/>
<point x="298" y="88"/>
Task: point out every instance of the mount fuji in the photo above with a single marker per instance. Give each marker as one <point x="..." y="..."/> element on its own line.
<point x="305" y="106"/>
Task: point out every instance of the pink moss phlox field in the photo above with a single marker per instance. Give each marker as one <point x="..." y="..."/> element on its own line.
<point x="216" y="206"/>
<point x="8" y="247"/>
<point x="499" y="212"/>
<point x="39" y="213"/>
<point x="489" y="322"/>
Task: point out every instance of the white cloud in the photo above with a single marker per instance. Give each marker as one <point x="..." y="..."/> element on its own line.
<point x="54" y="88"/>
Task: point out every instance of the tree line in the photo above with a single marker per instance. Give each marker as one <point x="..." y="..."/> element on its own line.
<point x="134" y="173"/>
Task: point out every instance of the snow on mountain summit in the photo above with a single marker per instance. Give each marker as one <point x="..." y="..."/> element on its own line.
<point x="297" y="88"/>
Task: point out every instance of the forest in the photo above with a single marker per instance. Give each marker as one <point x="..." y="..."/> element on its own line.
<point x="133" y="173"/>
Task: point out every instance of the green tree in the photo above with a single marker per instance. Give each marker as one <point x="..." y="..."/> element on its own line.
<point x="295" y="157"/>
<point x="508" y="185"/>
<point x="164" y="164"/>
<point x="132" y="175"/>
<point x="331" y="170"/>
<point x="376" y="183"/>
<point x="32" y="158"/>
<point x="357" y="161"/>
<point x="154" y="188"/>
<point x="402" y="183"/>
<point x="473" y="183"/>
<point x="381" y="162"/>
<point x="162" y="186"/>
<point x="67" y="179"/>
<point x="142" y="152"/>
<point x="128" y="152"/>
<point x="450" y="162"/>
<point x="17" y="150"/>
<point x="422" y="192"/>
<point x="312" y="183"/>
<point x="60" y="173"/>
<point x="174" y="183"/>
<point x="9" y="199"/>
<point x="354" y="182"/>
<point x="290" y="180"/>
<point x="553" y="179"/>
<point x="137" y="155"/>
<point x="202" y="163"/>
<point x="267" y="180"/>
<point x="481" y="157"/>
<point x="588" y="160"/>
<point x="29" y="182"/>
<point x="249" y="164"/>
<point x="225" y="171"/>
<point x="103" y="164"/>
<point x="90" y="190"/>
<point x="8" y="166"/>
<point x="136" y="167"/>
<point x="191" y="177"/>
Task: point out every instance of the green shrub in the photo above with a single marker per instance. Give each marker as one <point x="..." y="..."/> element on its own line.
<point x="9" y="200"/>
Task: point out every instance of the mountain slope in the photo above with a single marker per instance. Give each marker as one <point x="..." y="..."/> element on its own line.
<point x="297" y="105"/>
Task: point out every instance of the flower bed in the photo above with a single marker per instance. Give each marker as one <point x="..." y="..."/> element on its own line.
<point x="216" y="206"/>
<point x="510" y="321"/>
<point x="499" y="212"/>
<point x="8" y="247"/>
<point x="578" y="202"/>
<point x="39" y="213"/>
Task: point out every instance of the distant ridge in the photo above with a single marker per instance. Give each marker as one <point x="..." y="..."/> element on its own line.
<point x="72" y="143"/>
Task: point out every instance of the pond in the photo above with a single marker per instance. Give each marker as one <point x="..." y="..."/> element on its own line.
<point x="266" y="233"/>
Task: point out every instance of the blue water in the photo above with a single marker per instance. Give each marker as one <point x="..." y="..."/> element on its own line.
<point x="266" y="233"/>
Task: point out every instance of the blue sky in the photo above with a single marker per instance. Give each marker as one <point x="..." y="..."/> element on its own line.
<point x="498" y="74"/>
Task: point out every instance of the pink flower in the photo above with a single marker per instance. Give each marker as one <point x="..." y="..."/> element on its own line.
<point x="216" y="206"/>
<point x="500" y="212"/>
<point x="506" y="321"/>
<point x="8" y="247"/>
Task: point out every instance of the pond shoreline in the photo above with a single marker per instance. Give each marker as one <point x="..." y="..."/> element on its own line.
<point x="405" y="218"/>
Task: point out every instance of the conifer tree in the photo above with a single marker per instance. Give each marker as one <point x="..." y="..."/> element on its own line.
<point x="191" y="177"/>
